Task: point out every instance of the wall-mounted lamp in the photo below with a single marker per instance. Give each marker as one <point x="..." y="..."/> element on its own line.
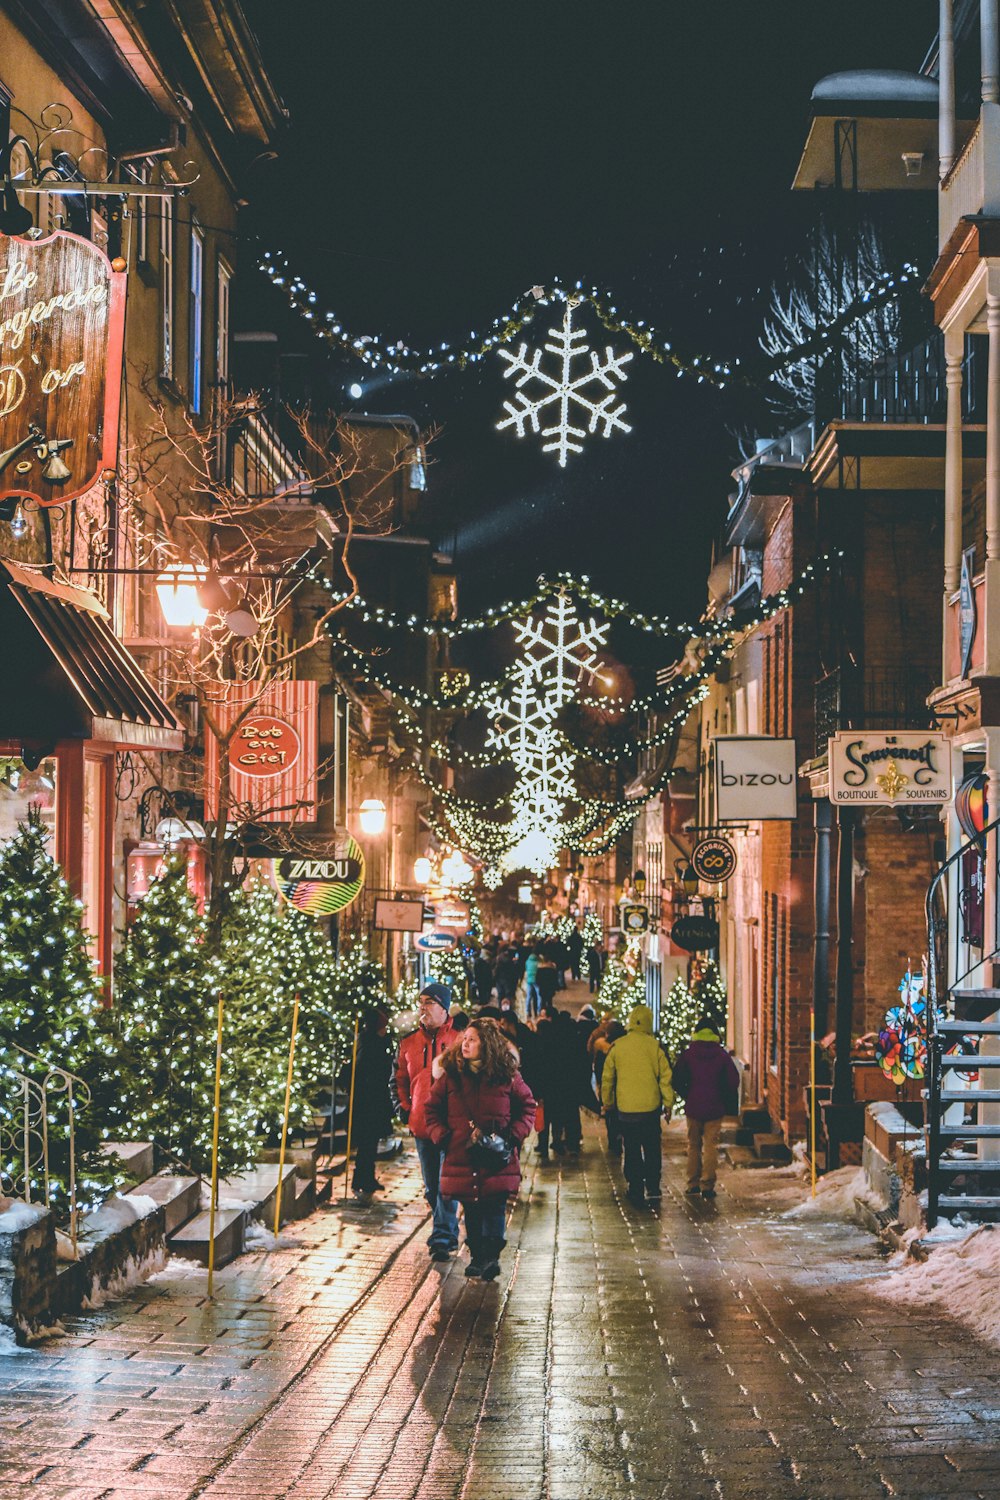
<point x="177" y="590"/>
<point x="371" y="815"/>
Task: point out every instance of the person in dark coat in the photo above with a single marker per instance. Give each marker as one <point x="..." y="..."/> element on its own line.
<point x="567" y="1067"/>
<point x="547" y="981"/>
<point x="599" y="1045"/>
<point x="482" y="973"/>
<point x="505" y="975"/>
<point x="597" y="958"/>
<point x="709" y="1081"/>
<point x="372" y="1118"/>
<point x="586" y="1023"/>
<point x="574" y="945"/>
<point x="480" y="1092"/>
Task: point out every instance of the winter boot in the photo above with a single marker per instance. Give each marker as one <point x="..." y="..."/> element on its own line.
<point x="476" y="1255"/>
<point x="491" y="1258"/>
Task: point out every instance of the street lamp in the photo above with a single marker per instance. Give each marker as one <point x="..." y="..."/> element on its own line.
<point x="177" y="590"/>
<point x="422" y="870"/>
<point x="371" y="814"/>
<point x="456" y="870"/>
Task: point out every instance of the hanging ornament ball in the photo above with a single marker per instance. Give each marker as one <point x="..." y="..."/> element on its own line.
<point x="119" y="264"/>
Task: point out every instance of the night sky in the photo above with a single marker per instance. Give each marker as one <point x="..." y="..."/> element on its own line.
<point x="442" y="157"/>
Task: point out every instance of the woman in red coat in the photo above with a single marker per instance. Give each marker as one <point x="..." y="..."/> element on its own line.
<point x="479" y="1092"/>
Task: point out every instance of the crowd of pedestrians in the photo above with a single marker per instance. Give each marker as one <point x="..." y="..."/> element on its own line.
<point x="473" y="1089"/>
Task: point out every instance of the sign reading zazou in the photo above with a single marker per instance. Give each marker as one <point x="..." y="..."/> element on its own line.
<point x="754" y="779"/>
<point x="890" y="769"/>
<point x="62" y="330"/>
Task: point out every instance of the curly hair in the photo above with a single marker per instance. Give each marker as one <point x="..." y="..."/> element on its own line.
<point x="499" y="1063"/>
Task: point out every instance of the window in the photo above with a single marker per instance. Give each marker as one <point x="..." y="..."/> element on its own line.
<point x="167" y="288"/>
<point x="140" y="214"/>
<point x="224" y="278"/>
<point x="197" y="313"/>
<point x="21" y="790"/>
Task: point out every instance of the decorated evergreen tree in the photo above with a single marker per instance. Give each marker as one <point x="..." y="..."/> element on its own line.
<point x="710" y="996"/>
<point x="167" y="991"/>
<point x="679" y="1015"/>
<point x="449" y="967"/>
<point x="593" y="931"/>
<point x="51" y="1017"/>
<point x="622" y="988"/>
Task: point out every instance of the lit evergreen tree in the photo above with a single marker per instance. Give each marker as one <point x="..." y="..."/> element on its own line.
<point x="679" y="1014"/>
<point x="167" y="989"/>
<point x="51" y="1015"/>
<point x="449" y="967"/>
<point x="710" y="997"/>
<point x="621" y="989"/>
<point x="593" y="931"/>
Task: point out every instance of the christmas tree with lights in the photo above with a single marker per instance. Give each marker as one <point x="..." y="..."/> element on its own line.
<point x="450" y="968"/>
<point x="710" y="999"/>
<point x="167" y="988"/>
<point x="622" y="988"/>
<point x="679" y="1014"/>
<point x="593" y="930"/>
<point x="51" y="1017"/>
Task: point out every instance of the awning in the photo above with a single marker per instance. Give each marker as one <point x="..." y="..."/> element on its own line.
<point x="65" y="673"/>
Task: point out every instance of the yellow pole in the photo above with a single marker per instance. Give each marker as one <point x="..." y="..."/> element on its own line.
<point x="215" y="1149"/>
<point x="284" y="1123"/>
<point x="812" y="1100"/>
<point x="350" y="1107"/>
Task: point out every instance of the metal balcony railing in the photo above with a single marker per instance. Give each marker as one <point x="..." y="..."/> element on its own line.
<point x="877" y="698"/>
<point x="907" y="387"/>
<point x="34" y="1098"/>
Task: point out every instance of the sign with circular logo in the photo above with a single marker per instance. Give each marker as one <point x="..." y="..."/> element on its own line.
<point x="713" y="859"/>
<point x="695" y="934"/>
<point x="435" y="942"/>
<point x="264" y="746"/>
<point x="322" y="885"/>
<point x="635" y="919"/>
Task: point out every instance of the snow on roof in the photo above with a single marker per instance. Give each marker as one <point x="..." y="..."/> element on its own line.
<point x="877" y="86"/>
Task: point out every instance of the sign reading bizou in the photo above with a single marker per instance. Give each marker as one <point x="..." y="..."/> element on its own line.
<point x="754" y="779"/>
<point x="883" y="769"/>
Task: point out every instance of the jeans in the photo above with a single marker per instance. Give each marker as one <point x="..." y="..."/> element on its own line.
<point x="703" y="1152"/>
<point x="534" y="998"/>
<point x="486" y="1220"/>
<point x="444" y="1234"/>
<point x="641" y="1135"/>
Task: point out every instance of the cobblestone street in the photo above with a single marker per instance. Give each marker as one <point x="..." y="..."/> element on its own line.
<point x="713" y="1350"/>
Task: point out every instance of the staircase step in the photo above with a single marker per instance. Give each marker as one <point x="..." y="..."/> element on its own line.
<point x="742" y="1156"/>
<point x="952" y="1200"/>
<point x="970" y="1064"/>
<point x="977" y="1003"/>
<point x="305" y="1197"/>
<point x="179" y="1197"/>
<point x="755" y="1119"/>
<point x="970" y="1096"/>
<point x="257" y="1191"/>
<point x="970" y="1132"/>
<point x="135" y="1156"/>
<point x="970" y="1028"/>
<point x="973" y="1164"/>
<point x="191" y="1240"/>
<point x="771" y="1147"/>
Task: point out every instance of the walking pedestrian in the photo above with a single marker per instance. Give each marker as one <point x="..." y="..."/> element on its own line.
<point x="636" y="1082"/>
<point x="482" y="973"/>
<point x="479" y="1096"/>
<point x="574" y="945"/>
<point x="596" y="959"/>
<point x="600" y="1044"/>
<point x="505" y="975"/>
<point x="547" y="981"/>
<point x="413" y="1082"/>
<point x="586" y="1023"/>
<point x="533" y="995"/>
<point x="709" y="1082"/>
<point x="372" y="1101"/>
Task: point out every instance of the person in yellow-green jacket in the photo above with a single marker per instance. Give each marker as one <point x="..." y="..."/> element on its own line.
<point x="636" y="1082"/>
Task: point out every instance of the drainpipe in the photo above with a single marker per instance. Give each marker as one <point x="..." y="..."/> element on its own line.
<point x="843" y="1089"/>
<point x="823" y="817"/>
<point x="946" y="88"/>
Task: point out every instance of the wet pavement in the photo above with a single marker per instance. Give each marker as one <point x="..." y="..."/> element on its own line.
<point x="712" y="1349"/>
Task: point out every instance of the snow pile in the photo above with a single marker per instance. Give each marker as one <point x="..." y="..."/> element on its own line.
<point x="836" y="1193"/>
<point x="960" y="1275"/>
<point x="259" y="1238"/>
<point x="135" y="1270"/>
<point x="117" y="1213"/>
<point x="15" y="1216"/>
<point x="176" y="1267"/>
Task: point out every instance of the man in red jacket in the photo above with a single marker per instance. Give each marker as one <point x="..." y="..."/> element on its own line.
<point x="413" y="1081"/>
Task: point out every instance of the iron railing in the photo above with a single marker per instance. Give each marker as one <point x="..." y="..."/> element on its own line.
<point x="872" y="698"/>
<point x="902" y="387"/>
<point x="30" y="1095"/>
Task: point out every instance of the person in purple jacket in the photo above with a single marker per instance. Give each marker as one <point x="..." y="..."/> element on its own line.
<point x="709" y="1081"/>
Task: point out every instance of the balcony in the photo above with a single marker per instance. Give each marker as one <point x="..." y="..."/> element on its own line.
<point x="905" y="389"/>
<point x="875" y="698"/>
<point x="973" y="184"/>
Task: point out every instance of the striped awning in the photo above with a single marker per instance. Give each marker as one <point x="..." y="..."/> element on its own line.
<point x="66" y="675"/>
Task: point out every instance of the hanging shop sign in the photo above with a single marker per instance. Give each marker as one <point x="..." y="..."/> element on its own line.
<point x="452" y="916"/>
<point x="62" y="330"/>
<point x="695" y="934"/>
<point x="273" y="754"/>
<point x="147" y="861"/>
<point x="885" y="770"/>
<point x="322" y="884"/>
<point x="435" y="942"/>
<point x="634" y="919"/>
<point x="713" y="859"/>
<point x="754" y="779"/>
<point x="967" y="608"/>
<point x="399" y="916"/>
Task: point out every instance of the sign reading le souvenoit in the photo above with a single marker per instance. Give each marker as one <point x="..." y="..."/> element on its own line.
<point x="713" y="859"/>
<point x="754" y="779"/>
<point x="62" y="328"/>
<point x="883" y="769"/>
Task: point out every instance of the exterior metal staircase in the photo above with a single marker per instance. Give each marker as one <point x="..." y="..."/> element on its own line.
<point x="962" y="1174"/>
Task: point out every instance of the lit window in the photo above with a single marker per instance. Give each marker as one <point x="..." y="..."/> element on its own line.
<point x="197" y="310"/>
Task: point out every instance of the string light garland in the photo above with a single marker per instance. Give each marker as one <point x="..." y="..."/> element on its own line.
<point x="397" y="357"/>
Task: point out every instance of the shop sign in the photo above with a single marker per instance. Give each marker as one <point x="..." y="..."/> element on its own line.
<point x="889" y="770"/>
<point x="322" y="885"/>
<point x="146" y="862"/>
<point x="435" y="942"/>
<point x="755" y="779"/>
<point x="713" y="860"/>
<point x="264" y="746"/>
<point x="967" y="609"/>
<point x="399" y="916"/>
<point x="62" y="329"/>
<point x="634" y="919"/>
<point x="695" y="934"/>
<point x="452" y="916"/>
<point x="273" y="755"/>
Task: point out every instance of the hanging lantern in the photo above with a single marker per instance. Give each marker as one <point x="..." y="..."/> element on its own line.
<point x="971" y="808"/>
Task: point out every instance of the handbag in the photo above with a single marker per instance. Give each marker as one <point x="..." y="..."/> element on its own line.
<point x="490" y="1154"/>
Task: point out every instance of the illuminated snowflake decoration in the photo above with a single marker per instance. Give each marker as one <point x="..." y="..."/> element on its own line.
<point x="558" y="650"/>
<point x="564" y="396"/>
